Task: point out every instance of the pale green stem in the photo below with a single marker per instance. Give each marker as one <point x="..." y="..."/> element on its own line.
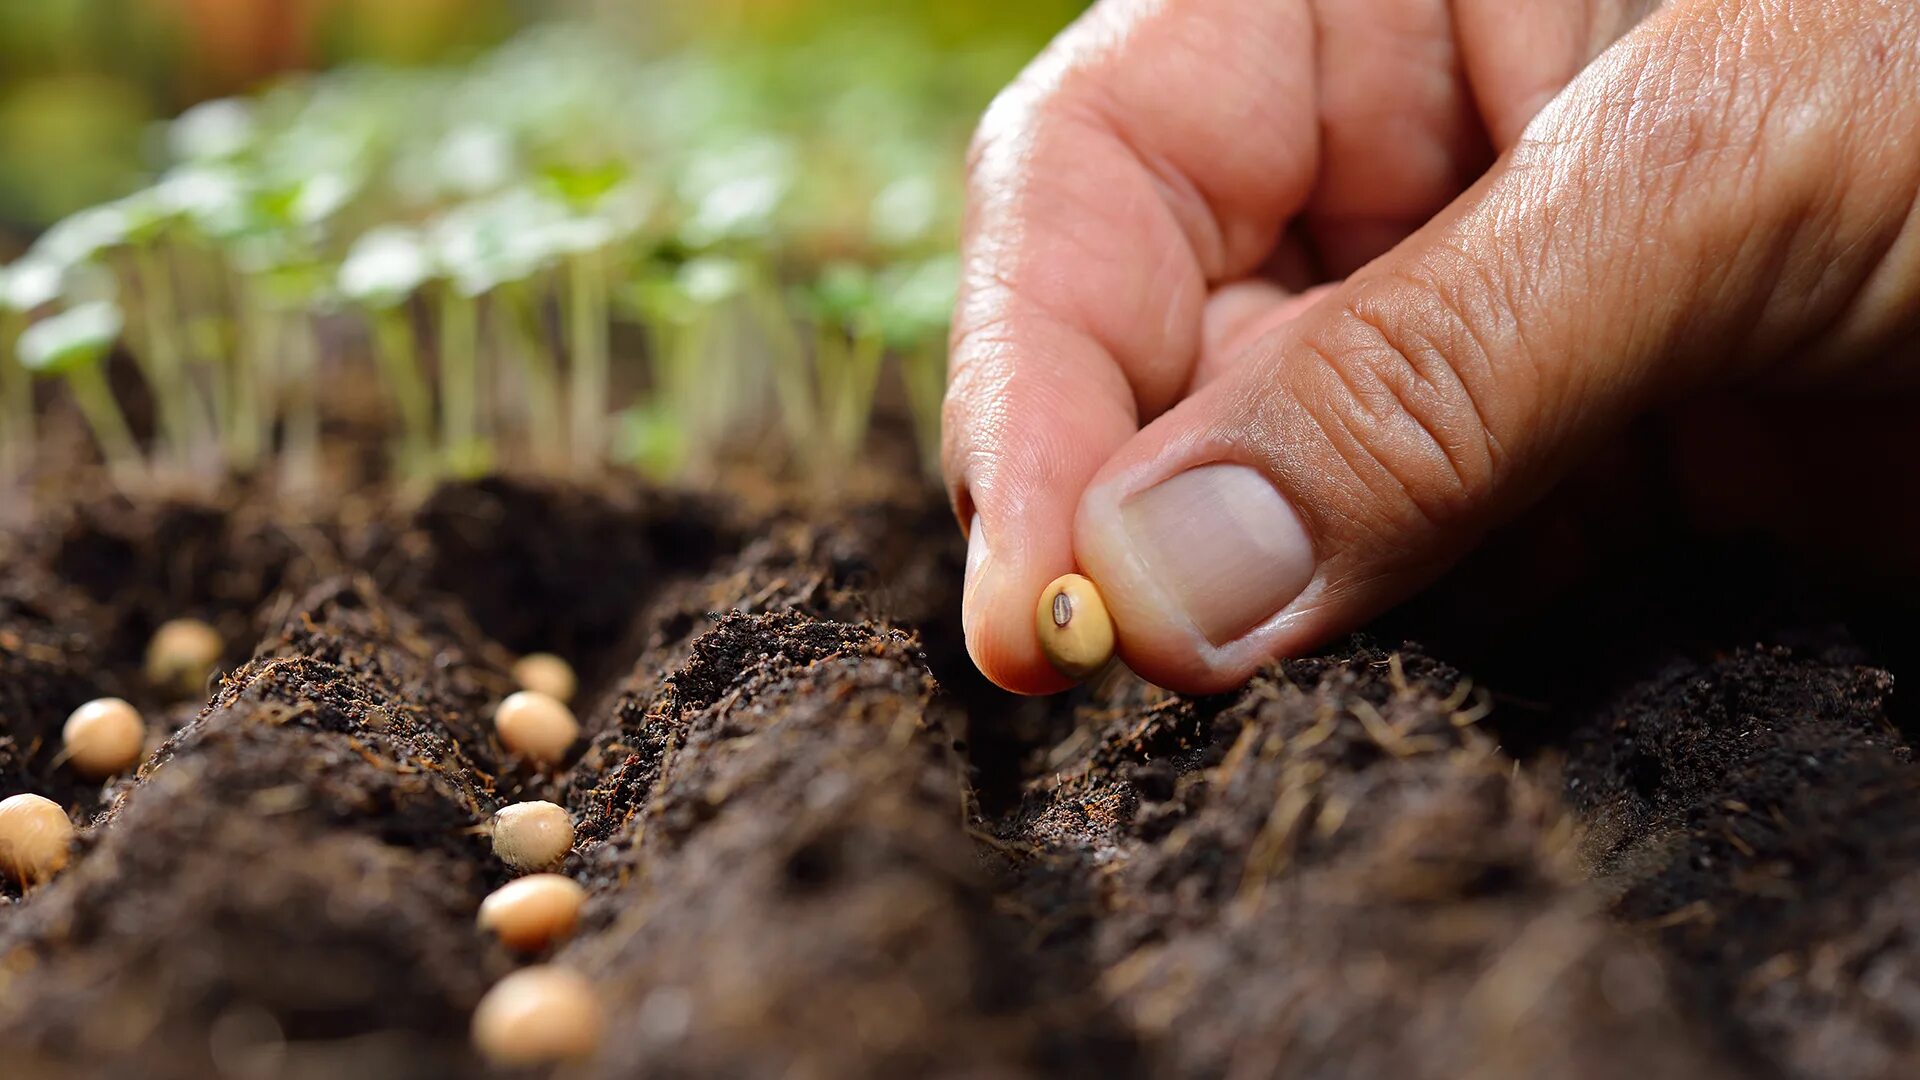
<point x="300" y="389"/>
<point x="864" y="353"/>
<point x="830" y="366"/>
<point x="587" y="331"/>
<point x="398" y="355"/>
<point x="183" y="424"/>
<point x="545" y="421"/>
<point x="459" y="379"/>
<point x="792" y="382"/>
<point x="17" y="428"/>
<point x="924" y="370"/>
<point x="208" y="332"/>
<point x="110" y="429"/>
<point x="248" y="386"/>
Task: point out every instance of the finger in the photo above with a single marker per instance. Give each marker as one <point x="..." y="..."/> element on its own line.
<point x="1152" y="150"/>
<point x="1723" y="195"/>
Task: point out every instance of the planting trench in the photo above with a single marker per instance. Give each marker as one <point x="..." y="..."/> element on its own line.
<point x="814" y="845"/>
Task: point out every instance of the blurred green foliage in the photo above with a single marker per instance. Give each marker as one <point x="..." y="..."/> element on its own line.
<point x="82" y="82"/>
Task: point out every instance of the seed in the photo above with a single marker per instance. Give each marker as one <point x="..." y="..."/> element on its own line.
<point x="34" y="837"/>
<point x="1076" y="633"/>
<point x="533" y="912"/>
<point x="182" y="655"/>
<point x="536" y="726"/>
<point x="532" y="835"/>
<point x="536" y="1016"/>
<point x="546" y="673"/>
<point x="103" y="737"/>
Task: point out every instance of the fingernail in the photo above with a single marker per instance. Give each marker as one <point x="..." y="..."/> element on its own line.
<point x="1225" y="545"/>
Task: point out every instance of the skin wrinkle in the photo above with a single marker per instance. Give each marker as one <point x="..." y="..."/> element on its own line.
<point x="1401" y="376"/>
<point x="1362" y="456"/>
<point x="1520" y="361"/>
<point x="1427" y="366"/>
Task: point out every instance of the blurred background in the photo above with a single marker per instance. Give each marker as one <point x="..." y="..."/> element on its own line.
<point x="83" y="82"/>
<point x="564" y="232"/>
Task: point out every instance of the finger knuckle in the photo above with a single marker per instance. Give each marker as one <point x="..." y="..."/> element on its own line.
<point x="1398" y="400"/>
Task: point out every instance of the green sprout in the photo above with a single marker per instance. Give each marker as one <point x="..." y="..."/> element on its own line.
<point x="600" y="207"/>
<point x="693" y="314"/>
<point x="914" y="311"/>
<point x="846" y="355"/>
<point x="480" y="247"/>
<point x="381" y="273"/>
<point x="25" y="286"/>
<point x="774" y="237"/>
<point x="74" y="345"/>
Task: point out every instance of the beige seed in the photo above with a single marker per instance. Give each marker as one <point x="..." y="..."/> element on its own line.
<point x="532" y="835"/>
<point x="104" y="737"/>
<point x="1076" y="633"/>
<point x="538" y="1015"/>
<point x="182" y="655"/>
<point x="533" y="912"/>
<point x="547" y="674"/>
<point x="34" y="837"/>
<point x="536" y="726"/>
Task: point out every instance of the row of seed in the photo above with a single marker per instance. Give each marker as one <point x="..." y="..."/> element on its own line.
<point x="538" y="1014"/>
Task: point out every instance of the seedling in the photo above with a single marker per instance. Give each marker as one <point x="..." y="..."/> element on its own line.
<point x="182" y="655"/>
<point x="1075" y="631"/>
<point x="74" y="345"/>
<point x="381" y="274"/>
<point x="547" y="674"/>
<point x="104" y="737"/>
<point x="35" y="837"/>
<point x="533" y="912"/>
<point x="915" y="308"/>
<point x="531" y="836"/>
<point x="535" y="726"/>
<point x="538" y="1016"/>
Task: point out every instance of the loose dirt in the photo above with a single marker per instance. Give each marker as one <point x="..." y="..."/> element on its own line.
<point x="816" y="845"/>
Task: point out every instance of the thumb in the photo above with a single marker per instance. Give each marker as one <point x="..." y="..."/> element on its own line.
<point x="1726" y="193"/>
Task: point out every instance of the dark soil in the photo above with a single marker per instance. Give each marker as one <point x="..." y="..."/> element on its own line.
<point x="817" y="846"/>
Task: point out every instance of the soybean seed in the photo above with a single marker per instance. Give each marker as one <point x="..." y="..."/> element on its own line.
<point x="103" y="737"/>
<point x="546" y="673"/>
<point x="536" y="1016"/>
<point x="532" y="835"/>
<point x="34" y="837"/>
<point x="1075" y="631"/>
<point x="182" y="655"/>
<point x="536" y="726"/>
<point x="533" y="912"/>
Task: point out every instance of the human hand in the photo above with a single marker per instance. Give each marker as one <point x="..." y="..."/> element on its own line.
<point x="1527" y="234"/>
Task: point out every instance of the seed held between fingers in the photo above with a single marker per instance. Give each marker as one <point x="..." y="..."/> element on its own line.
<point x="104" y="737"/>
<point x="1076" y="633"/>
<point x="547" y="674"/>
<point x="35" y="835"/>
<point x="533" y="912"/>
<point x="538" y="1015"/>
<point x="182" y="655"/>
<point x="532" y="835"/>
<point x="536" y="726"/>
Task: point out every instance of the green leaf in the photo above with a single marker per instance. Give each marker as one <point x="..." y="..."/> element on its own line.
<point x="842" y="293"/>
<point x="385" y="267"/>
<point x="72" y="339"/>
<point x="582" y="187"/>
<point x="30" y="283"/>
<point x="916" y="300"/>
<point x="650" y="438"/>
<point x="212" y="130"/>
